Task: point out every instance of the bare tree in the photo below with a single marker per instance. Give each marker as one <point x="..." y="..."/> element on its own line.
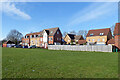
<point x="14" y="36"/>
<point x="73" y="32"/>
<point x="112" y="28"/>
<point x="64" y="34"/>
<point x="82" y="32"/>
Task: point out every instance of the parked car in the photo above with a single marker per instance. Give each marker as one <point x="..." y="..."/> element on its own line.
<point x="33" y="46"/>
<point x="18" y="46"/>
<point x="25" y="46"/>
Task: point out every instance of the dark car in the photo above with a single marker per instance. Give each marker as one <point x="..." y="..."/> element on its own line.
<point x="18" y="46"/>
<point x="33" y="46"/>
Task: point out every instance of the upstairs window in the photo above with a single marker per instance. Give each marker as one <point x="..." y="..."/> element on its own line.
<point x="27" y="36"/>
<point x="36" y="35"/>
<point x="58" y="32"/>
<point x="91" y="34"/>
<point x="32" y="36"/>
<point x="101" y="34"/>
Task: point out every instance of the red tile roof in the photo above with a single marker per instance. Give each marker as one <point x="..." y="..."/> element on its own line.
<point x="51" y="32"/>
<point x="117" y="29"/>
<point x="82" y="41"/>
<point x="97" y="32"/>
<point x="111" y="41"/>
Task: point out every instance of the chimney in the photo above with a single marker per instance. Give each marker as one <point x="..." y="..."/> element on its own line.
<point x="117" y="35"/>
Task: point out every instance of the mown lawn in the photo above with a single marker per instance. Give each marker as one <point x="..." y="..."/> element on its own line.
<point x="41" y="63"/>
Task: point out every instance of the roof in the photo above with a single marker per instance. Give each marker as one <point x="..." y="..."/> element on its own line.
<point x="111" y="41"/>
<point x="78" y="37"/>
<point x="82" y="41"/>
<point x="35" y="33"/>
<point x="9" y="42"/>
<point x="72" y="36"/>
<point x="97" y="32"/>
<point x="50" y="31"/>
<point x="117" y="29"/>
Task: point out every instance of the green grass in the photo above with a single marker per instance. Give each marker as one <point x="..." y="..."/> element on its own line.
<point x="41" y="63"/>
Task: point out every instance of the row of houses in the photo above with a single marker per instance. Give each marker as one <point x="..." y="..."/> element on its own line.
<point x="53" y="36"/>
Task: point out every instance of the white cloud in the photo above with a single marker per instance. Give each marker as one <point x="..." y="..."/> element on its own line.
<point x="10" y="8"/>
<point x="93" y="11"/>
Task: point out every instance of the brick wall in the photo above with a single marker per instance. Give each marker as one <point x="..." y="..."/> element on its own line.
<point x="117" y="41"/>
<point x="58" y="37"/>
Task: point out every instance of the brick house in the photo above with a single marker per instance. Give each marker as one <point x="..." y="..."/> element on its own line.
<point x="116" y="40"/>
<point x="43" y="38"/>
<point x="98" y="36"/>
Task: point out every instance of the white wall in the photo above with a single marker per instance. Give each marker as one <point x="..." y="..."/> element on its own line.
<point x="45" y="37"/>
<point x="99" y="48"/>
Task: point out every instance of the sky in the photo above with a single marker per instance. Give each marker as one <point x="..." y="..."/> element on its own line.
<point x="29" y="17"/>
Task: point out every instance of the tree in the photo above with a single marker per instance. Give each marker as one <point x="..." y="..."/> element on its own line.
<point x="73" y="32"/>
<point x="64" y="34"/>
<point x="82" y="32"/>
<point x="14" y="36"/>
<point x="112" y="28"/>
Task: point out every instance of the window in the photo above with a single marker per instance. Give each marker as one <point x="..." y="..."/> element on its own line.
<point x="60" y="38"/>
<point x="27" y="36"/>
<point x="58" y="32"/>
<point x="101" y="34"/>
<point x="36" y="35"/>
<point x="31" y="41"/>
<point x="91" y="34"/>
<point x="103" y="39"/>
<point x="68" y="40"/>
<point x="98" y="39"/>
<point x="93" y="40"/>
<point x="32" y="36"/>
<point x="41" y="39"/>
<point x="57" y="38"/>
<point x="51" y="39"/>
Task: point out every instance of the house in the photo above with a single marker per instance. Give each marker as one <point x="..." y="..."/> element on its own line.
<point x="98" y="36"/>
<point x="82" y="42"/>
<point x="72" y="38"/>
<point x="116" y="40"/>
<point x="43" y="38"/>
<point x="111" y="42"/>
<point x="8" y="44"/>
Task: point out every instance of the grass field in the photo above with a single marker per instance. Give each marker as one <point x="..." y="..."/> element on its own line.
<point x="41" y="63"/>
